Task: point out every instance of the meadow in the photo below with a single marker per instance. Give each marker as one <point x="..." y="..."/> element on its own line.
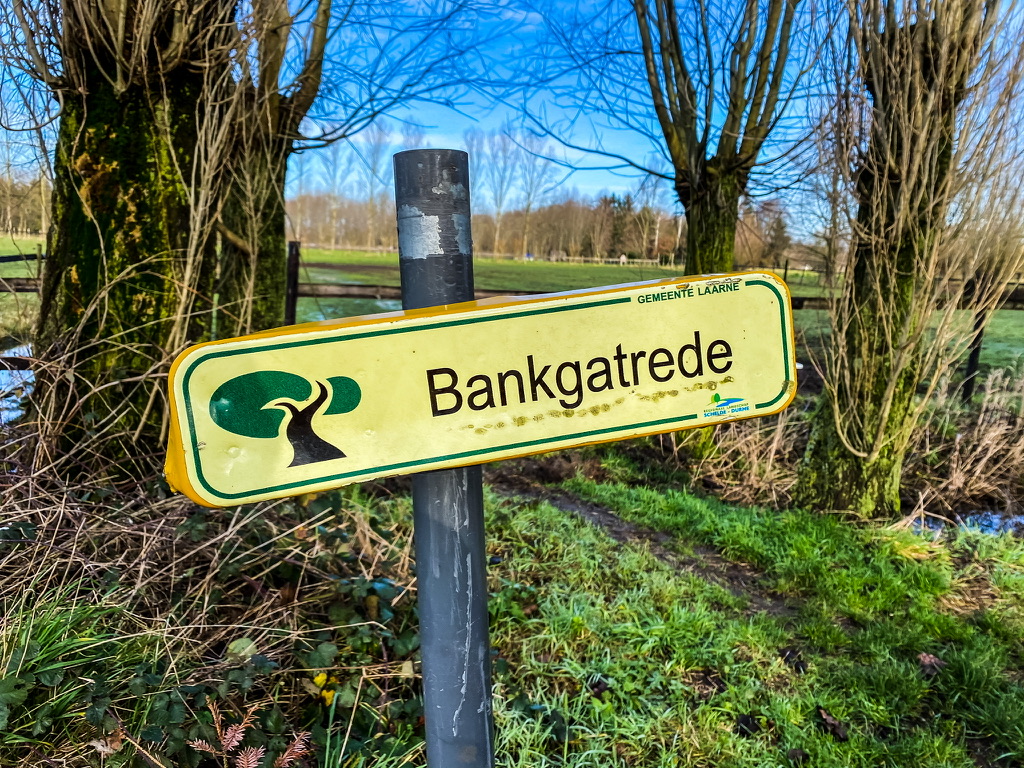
<point x="1004" y="339"/>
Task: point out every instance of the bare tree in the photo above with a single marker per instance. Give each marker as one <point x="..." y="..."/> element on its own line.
<point x="702" y="85"/>
<point x="500" y="158"/>
<point x="176" y="120"/>
<point x="932" y="103"/>
<point x="337" y="163"/>
<point x="374" y="156"/>
<point x="535" y="171"/>
<point x="648" y="215"/>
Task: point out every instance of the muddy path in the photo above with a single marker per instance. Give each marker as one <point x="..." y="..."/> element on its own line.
<point x="531" y="479"/>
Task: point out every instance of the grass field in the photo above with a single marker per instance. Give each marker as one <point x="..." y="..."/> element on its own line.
<point x="1003" y="348"/>
<point x="18" y="310"/>
<point x="811" y="641"/>
<point x="489" y="274"/>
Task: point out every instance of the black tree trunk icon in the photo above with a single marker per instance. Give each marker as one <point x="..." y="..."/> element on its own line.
<point x="309" y="447"/>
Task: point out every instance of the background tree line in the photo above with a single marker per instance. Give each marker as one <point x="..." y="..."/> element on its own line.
<point x="25" y="187"/>
<point x="342" y="196"/>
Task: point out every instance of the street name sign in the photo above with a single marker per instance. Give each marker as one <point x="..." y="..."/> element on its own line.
<point x="317" y="406"/>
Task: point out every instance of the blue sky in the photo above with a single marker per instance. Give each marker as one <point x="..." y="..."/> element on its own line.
<point x="512" y="33"/>
<point x="514" y="37"/>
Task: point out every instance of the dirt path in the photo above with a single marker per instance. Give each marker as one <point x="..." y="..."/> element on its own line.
<point x="706" y="562"/>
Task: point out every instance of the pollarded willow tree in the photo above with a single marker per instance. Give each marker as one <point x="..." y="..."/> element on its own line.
<point x="176" y="121"/>
<point x="704" y="85"/>
<point x="931" y="110"/>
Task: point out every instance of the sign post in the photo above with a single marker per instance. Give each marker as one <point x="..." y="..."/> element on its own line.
<point x="436" y="258"/>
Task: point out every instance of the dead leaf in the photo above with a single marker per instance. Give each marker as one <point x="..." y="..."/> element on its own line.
<point x="832" y="726"/>
<point x="287" y="594"/>
<point x="930" y="665"/>
<point x="108" y="745"/>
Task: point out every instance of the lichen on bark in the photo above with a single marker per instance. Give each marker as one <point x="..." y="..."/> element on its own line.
<point x="916" y="75"/>
<point x="114" y="274"/>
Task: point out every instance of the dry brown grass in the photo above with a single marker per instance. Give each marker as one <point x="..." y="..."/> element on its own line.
<point x="753" y="461"/>
<point x="972" y="458"/>
<point x="182" y="584"/>
<point x="961" y="458"/>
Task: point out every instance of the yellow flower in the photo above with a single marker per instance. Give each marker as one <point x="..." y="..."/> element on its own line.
<point x="320" y="679"/>
<point x="328" y="696"/>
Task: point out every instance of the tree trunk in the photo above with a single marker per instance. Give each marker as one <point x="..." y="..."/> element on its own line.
<point x="974" y="358"/>
<point x="254" y="252"/>
<point x="888" y="292"/>
<point x="831" y="478"/>
<point x="875" y="385"/>
<point x="526" y="233"/>
<point x="711" y="214"/>
<point x="117" y="247"/>
<point x="497" y="234"/>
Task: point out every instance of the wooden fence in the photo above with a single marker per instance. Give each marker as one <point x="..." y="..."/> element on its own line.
<point x="1012" y="299"/>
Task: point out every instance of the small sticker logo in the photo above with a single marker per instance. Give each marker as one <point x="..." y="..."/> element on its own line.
<point x="256" y="404"/>
<point x="726" y="406"/>
<point x="717" y="401"/>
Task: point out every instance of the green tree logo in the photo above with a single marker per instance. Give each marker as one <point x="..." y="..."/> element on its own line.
<point x="255" y="405"/>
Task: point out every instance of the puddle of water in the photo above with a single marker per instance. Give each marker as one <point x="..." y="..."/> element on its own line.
<point x="14" y="386"/>
<point x="985" y="521"/>
<point x="312" y="309"/>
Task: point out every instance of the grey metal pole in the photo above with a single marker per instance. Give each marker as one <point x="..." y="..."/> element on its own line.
<point x="435" y="251"/>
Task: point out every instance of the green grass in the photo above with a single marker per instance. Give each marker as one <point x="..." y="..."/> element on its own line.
<point x="606" y="655"/>
<point x="17" y="310"/>
<point x="11" y="245"/>
<point x="18" y="313"/>
<point x="858" y="604"/>
<point x="489" y="274"/>
<point x="513" y="275"/>
<point x="1002" y="347"/>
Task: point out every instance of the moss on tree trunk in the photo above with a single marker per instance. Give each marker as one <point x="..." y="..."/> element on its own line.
<point x="254" y="256"/>
<point x="887" y="292"/>
<point x="711" y="213"/>
<point x="112" y="281"/>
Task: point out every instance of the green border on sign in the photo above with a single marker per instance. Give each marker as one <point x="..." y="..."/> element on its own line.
<point x="454" y="456"/>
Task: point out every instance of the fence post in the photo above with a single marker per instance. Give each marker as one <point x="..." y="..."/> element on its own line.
<point x="436" y="260"/>
<point x="291" y="295"/>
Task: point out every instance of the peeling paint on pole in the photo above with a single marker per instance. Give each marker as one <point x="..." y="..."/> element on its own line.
<point x="419" y="235"/>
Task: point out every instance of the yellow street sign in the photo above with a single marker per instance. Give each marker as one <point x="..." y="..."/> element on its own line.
<point x="317" y="406"/>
